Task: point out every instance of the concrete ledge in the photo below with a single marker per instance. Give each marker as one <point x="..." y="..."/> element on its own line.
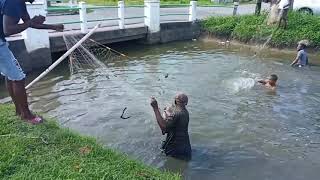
<point x="103" y="36"/>
<point x="179" y="31"/>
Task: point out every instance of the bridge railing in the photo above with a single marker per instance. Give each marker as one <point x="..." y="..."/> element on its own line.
<point x="150" y="17"/>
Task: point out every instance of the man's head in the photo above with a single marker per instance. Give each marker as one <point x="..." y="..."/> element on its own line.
<point x="272" y="79"/>
<point x="181" y="99"/>
<point x="301" y="46"/>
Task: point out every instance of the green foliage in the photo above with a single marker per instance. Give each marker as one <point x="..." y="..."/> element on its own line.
<point x="48" y="152"/>
<point x="220" y="26"/>
<point x="251" y="28"/>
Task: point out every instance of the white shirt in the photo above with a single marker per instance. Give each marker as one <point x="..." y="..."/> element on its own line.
<point x="284" y="4"/>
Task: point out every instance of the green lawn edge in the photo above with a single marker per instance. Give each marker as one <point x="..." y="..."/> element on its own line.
<point x="47" y="151"/>
<point x="254" y="29"/>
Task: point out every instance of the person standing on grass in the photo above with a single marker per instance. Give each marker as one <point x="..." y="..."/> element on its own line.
<point x="175" y="124"/>
<point x="11" y="13"/>
<point x="284" y="6"/>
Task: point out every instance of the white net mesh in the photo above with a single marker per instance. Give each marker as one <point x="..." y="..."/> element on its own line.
<point x="89" y="55"/>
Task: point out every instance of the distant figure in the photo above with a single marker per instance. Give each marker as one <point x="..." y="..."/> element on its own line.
<point x="174" y="123"/>
<point x="302" y="57"/>
<point x="284" y="6"/>
<point x="270" y="82"/>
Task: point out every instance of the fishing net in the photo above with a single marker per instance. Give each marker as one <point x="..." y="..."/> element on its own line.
<point x="89" y="55"/>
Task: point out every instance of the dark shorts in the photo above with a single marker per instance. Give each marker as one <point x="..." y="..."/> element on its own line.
<point x="284" y="14"/>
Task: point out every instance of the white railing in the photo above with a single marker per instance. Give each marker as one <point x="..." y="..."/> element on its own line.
<point x="151" y="16"/>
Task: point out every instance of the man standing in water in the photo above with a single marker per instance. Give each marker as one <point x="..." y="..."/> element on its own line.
<point x="11" y="13"/>
<point x="177" y="143"/>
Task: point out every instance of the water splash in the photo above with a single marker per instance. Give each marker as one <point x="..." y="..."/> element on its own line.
<point x="239" y="84"/>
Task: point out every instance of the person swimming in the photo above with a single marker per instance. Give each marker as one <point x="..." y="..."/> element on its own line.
<point x="270" y="82"/>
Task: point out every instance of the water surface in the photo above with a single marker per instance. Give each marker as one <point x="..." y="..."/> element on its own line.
<point x="238" y="129"/>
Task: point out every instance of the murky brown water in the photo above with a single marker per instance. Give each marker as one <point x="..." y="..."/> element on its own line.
<point x="238" y="130"/>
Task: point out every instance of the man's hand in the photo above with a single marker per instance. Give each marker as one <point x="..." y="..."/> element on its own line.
<point x="154" y="103"/>
<point x="37" y="20"/>
<point x="58" y="27"/>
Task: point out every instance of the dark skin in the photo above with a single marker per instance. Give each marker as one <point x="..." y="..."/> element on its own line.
<point x="161" y="122"/>
<point x="17" y="88"/>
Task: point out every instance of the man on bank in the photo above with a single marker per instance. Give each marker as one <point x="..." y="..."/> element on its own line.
<point x="11" y="13"/>
<point x="175" y="125"/>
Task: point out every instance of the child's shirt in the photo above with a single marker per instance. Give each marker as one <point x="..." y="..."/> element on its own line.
<point x="303" y="58"/>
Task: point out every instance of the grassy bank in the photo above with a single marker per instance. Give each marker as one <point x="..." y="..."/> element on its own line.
<point x="253" y="29"/>
<point x="47" y="151"/>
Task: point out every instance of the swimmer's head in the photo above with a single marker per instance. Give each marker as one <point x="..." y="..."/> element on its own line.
<point x="181" y="99"/>
<point x="273" y="79"/>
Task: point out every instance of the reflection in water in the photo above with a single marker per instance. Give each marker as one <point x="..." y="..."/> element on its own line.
<point x="238" y="130"/>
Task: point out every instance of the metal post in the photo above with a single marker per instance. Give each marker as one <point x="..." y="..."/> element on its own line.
<point x="235" y="8"/>
<point x="121" y="14"/>
<point x="83" y="17"/>
<point x="193" y="11"/>
<point x="152" y="15"/>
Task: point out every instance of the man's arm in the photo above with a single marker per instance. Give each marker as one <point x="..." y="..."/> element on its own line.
<point x="57" y="27"/>
<point x="262" y="82"/>
<point x="295" y="61"/>
<point x="161" y="122"/>
<point x="10" y="26"/>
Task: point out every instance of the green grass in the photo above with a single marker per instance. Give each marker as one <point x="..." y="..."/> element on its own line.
<point x="47" y="151"/>
<point x="251" y="28"/>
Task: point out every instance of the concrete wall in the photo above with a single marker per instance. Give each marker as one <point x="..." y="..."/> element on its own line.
<point x="102" y="35"/>
<point x="169" y="32"/>
<point x="179" y="31"/>
<point x="174" y="31"/>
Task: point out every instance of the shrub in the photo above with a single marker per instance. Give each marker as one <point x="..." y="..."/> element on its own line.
<point x="251" y="28"/>
<point x="220" y="26"/>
